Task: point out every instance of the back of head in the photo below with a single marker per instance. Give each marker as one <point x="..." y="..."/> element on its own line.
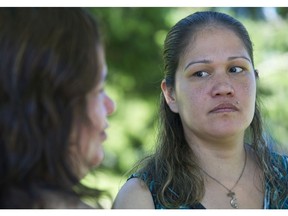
<point x="48" y="65"/>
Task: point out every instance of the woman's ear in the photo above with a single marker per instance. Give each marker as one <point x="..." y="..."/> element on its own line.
<point x="169" y="95"/>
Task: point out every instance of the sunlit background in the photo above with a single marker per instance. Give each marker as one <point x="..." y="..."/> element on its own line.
<point x="134" y="39"/>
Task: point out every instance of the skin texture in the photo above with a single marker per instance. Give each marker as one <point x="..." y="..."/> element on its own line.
<point x="214" y="94"/>
<point x="212" y="75"/>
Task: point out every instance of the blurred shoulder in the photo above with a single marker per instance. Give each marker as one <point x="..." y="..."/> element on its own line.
<point x="59" y="200"/>
<point x="134" y="194"/>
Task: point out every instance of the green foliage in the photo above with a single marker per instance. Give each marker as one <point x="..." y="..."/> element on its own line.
<point x="133" y="39"/>
<point x="274" y="79"/>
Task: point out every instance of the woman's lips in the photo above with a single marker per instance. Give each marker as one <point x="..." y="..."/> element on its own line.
<point x="103" y="135"/>
<point x="224" y="107"/>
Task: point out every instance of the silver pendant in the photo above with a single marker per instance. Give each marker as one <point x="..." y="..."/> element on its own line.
<point x="233" y="201"/>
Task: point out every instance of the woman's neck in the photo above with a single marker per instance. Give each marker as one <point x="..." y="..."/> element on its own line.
<point x="222" y="159"/>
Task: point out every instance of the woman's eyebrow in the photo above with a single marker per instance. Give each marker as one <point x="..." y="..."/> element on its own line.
<point x="204" y="61"/>
<point x="242" y="57"/>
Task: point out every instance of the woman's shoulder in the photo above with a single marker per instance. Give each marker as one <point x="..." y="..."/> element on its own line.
<point x="134" y="194"/>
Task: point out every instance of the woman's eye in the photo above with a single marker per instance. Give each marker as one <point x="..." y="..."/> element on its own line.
<point x="236" y="70"/>
<point x="201" y="74"/>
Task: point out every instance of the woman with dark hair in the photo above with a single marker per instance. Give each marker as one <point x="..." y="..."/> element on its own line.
<point x="211" y="150"/>
<point x="53" y="108"/>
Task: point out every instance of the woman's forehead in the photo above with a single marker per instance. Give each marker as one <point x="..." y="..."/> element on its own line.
<point x="213" y="41"/>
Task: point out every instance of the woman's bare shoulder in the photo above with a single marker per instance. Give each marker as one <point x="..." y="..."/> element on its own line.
<point x="134" y="194"/>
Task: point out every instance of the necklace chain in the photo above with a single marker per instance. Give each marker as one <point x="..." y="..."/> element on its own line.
<point x="231" y="194"/>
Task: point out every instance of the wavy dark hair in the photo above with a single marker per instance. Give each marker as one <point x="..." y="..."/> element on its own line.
<point x="174" y="164"/>
<point x="49" y="62"/>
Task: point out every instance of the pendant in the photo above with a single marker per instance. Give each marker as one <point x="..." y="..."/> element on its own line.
<point x="233" y="201"/>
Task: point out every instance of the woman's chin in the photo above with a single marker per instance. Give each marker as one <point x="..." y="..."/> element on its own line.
<point x="97" y="160"/>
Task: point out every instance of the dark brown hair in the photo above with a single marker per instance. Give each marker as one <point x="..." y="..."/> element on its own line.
<point x="49" y="62"/>
<point x="174" y="166"/>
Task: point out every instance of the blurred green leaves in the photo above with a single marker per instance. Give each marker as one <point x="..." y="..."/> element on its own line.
<point x="132" y="37"/>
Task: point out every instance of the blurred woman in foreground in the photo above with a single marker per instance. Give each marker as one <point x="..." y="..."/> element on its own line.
<point x="53" y="107"/>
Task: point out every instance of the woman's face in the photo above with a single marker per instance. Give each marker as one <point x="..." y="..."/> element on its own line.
<point x="215" y="86"/>
<point x="99" y="106"/>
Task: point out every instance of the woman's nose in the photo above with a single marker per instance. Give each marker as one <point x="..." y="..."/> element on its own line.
<point x="110" y="105"/>
<point x="223" y="88"/>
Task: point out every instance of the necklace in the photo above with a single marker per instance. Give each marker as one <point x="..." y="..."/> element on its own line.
<point x="231" y="193"/>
